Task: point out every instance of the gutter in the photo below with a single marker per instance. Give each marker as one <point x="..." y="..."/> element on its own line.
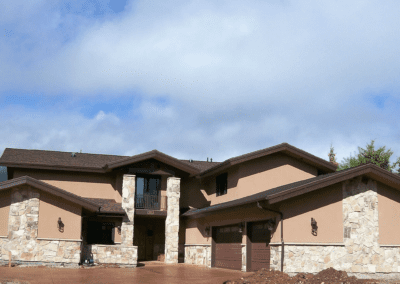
<point x="283" y="244"/>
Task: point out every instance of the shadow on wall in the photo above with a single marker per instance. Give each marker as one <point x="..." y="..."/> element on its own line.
<point x="3" y="174"/>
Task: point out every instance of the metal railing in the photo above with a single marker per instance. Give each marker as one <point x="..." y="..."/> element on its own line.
<point x="147" y="201"/>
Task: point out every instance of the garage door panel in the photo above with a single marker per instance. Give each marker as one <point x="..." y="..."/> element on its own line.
<point x="228" y="248"/>
<point x="229" y="264"/>
<point x="261" y="256"/>
<point x="259" y="245"/>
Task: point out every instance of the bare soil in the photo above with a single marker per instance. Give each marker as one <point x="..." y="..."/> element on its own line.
<point x="327" y="276"/>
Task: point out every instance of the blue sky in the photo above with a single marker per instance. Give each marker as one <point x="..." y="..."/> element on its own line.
<point x="198" y="79"/>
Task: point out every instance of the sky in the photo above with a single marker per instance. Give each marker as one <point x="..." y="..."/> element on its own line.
<point x="198" y="79"/>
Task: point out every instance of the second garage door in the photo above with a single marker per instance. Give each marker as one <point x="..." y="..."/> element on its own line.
<point x="227" y="247"/>
<point x="259" y="254"/>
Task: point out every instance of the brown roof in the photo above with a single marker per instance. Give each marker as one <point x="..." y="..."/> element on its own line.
<point x="201" y="165"/>
<point x="51" y="159"/>
<point x="49" y="189"/>
<point x="107" y="205"/>
<point x="154" y="154"/>
<point x="288" y="191"/>
<point x="82" y="161"/>
<point x="100" y="163"/>
<point x="283" y="148"/>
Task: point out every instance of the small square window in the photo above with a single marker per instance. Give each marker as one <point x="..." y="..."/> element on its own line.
<point x="222" y="184"/>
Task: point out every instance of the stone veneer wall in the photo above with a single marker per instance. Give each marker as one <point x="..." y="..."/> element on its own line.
<point x="128" y="204"/>
<point x="172" y="220"/>
<point x="22" y="239"/>
<point x="198" y="254"/>
<point x="244" y="254"/>
<point x="360" y="252"/>
<point x="115" y="254"/>
<point x="124" y="254"/>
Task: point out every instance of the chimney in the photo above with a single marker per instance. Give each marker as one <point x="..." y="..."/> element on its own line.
<point x="211" y="160"/>
<point x="207" y="159"/>
<point x="73" y="154"/>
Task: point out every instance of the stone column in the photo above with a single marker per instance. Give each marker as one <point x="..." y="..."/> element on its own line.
<point x="128" y="204"/>
<point x="361" y="228"/>
<point x="172" y="221"/>
<point x="23" y="223"/>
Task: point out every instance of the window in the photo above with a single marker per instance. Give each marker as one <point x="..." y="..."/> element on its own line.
<point x="147" y="192"/>
<point x="222" y="184"/>
<point x="100" y="232"/>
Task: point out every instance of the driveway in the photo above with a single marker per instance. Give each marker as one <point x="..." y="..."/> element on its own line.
<point x="149" y="273"/>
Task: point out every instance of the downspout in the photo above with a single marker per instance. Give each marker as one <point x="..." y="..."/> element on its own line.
<point x="282" y="250"/>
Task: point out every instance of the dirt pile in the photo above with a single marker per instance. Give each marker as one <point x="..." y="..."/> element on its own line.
<point x="327" y="276"/>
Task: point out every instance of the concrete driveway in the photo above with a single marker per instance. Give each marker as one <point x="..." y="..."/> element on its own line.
<point x="149" y="273"/>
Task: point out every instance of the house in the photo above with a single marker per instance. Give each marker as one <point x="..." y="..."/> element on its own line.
<point x="279" y="207"/>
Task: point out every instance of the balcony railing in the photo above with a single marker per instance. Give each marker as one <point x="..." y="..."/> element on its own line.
<point x="154" y="202"/>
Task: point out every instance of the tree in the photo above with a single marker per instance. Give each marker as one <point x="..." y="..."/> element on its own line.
<point x="379" y="157"/>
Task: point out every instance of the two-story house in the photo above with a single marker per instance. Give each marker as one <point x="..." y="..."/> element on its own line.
<point x="279" y="207"/>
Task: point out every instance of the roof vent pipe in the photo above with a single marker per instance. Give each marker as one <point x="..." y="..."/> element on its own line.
<point x="211" y="160"/>
<point x="73" y="154"/>
<point x="207" y="159"/>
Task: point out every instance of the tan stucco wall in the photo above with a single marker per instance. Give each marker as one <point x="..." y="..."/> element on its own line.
<point x="324" y="205"/>
<point x="389" y="215"/>
<point x="256" y="176"/>
<point x="50" y="209"/>
<point x="192" y="194"/>
<point x="117" y="236"/>
<point x="245" y="179"/>
<point x="83" y="184"/>
<point x="5" y="201"/>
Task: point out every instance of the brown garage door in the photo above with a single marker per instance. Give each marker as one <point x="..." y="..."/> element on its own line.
<point x="227" y="247"/>
<point x="259" y="254"/>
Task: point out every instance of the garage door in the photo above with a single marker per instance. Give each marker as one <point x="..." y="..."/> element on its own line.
<point x="259" y="254"/>
<point x="227" y="247"/>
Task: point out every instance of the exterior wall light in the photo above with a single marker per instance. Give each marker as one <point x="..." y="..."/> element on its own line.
<point x="207" y="230"/>
<point x="314" y="227"/>
<point x="60" y="225"/>
<point x="241" y="227"/>
<point x="271" y="224"/>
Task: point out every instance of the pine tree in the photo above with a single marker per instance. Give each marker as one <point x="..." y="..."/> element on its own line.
<point x="379" y="157"/>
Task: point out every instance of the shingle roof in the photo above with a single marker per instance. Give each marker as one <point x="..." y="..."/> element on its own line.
<point x="81" y="160"/>
<point x="201" y="165"/>
<point x="56" y="158"/>
<point x="107" y="205"/>
<point x="97" y="162"/>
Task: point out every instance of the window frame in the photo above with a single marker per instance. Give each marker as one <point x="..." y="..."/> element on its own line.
<point x="221" y="184"/>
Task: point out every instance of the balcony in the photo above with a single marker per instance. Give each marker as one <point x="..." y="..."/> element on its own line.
<point x="152" y="202"/>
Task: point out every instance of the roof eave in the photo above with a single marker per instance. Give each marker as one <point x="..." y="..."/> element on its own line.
<point x="91" y="206"/>
<point x="153" y="155"/>
<point x="368" y="169"/>
<point x="284" y="147"/>
<point x="51" y="167"/>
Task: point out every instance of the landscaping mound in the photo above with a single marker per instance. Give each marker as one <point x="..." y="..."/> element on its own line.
<point x="327" y="276"/>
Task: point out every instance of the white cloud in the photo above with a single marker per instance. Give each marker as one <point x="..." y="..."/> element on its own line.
<point x="238" y="76"/>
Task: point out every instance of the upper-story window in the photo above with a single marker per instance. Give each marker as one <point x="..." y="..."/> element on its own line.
<point x="222" y="184"/>
<point x="148" y="192"/>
